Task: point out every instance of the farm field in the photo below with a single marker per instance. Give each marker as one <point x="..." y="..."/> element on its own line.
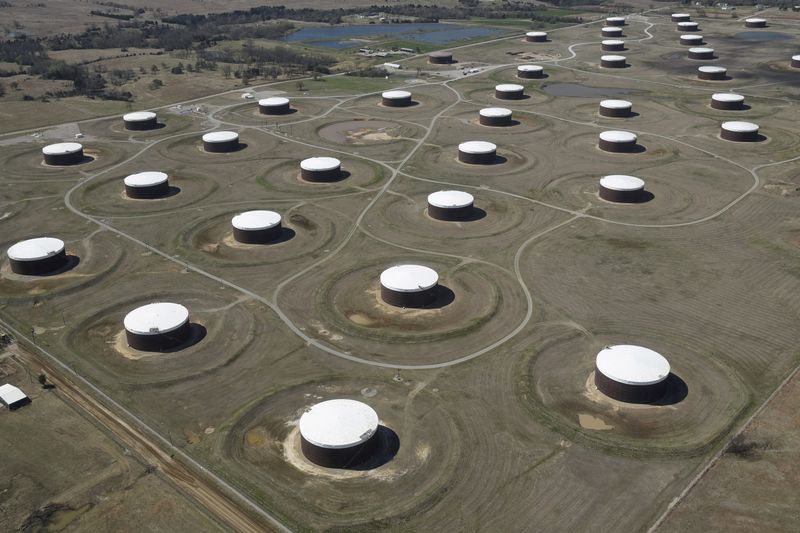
<point x="490" y="390"/>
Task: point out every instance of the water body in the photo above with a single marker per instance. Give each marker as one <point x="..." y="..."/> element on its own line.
<point x="762" y="36"/>
<point x="345" y="36"/>
<point x="582" y="91"/>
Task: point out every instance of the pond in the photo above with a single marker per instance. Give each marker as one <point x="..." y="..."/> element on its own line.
<point x="582" y="91"/>
<point x="348" y="35"/>
<point x="762" y="36"/>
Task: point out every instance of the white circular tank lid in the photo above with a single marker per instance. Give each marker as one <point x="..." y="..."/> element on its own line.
<point x="338" y="424"/>
<point x="615" y="19"/>
<point x="680" y="15"/>
<point x="691" y="37"/>
<point x="702" y="50"/>
<point x="145" y="179"/>
<point x="320" y="164"/>
<point x="621" y="182"/>
<point x="220" y="136"/>
<point x="409" y="278"/>
<point x="258" y="219"/>
<point x="536" y="34"/>
<point x="35" y="249"/>
<point x="273" y="101"/>
<point x="477" y="147"/>
<point x="139" y="116"/>
<point x="509" y="88"/>
<point x="612" y="42"/>
<point x="156" y="318"/>
<point x="618" y="136"/>
<point x="740" y="127"/>
<point x="632" y="365"/>
<point x="755" y="19"/>
<point x="530" y="68"/>
<point x="687" y="24"/>
<point x="494" y="112"/>
<point x="615" y="104"/>
<point x="62" y="148"/>
<point x="396" y="95"/>
<point x="612" y="58"/>
<point x="796" y="58"/>
<point x="450" y="199"/>
<point x="712" y="69"/>
<point x="727" y="97"/>
<point x="612" y="29"/>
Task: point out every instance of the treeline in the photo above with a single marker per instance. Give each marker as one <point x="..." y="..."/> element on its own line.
<point x="270" y="61"/>
<point x="118" y="16"/>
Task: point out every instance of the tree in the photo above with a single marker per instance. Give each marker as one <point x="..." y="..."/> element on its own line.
<point x="178" y="69"/>
<point x="226" y="71"/>
<point x="156" y="84"/>
<point x="153" y="69"/>
<point x="43" y="379"/>
<point x="301" y="86"/>
<point x="14" y="85"/>
<point x="2" y="89"/>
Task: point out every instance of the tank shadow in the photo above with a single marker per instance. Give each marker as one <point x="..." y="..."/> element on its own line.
<point x="387" y="447"/>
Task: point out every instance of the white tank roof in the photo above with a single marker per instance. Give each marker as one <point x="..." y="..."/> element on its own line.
<point x="612" y="58"/>
<point x="338" y="424"/>
<point x="320" y="164"/>
<point x="712" y="69"/>
<point x="145" y="179"/>
<point x="618" y="136"/>
<point x="396" y="95"/>
<point x="156" y="318"/>
<point x="615" y="104"/>
<point x="612" y="42"/>
<point x="621" y="182"/>
<point x="688" y="24"/>
<point x="755" y="19"/>
<point x="220" y="136"/>
<point x="273" y="101"/>
<point x="530" y="68"/>
<point x="477" y="147"/>
<point x="494" y="112"/>
<point x="450" y="199"/>
<point x="740" y="127"/>
<point x="615" y="19"/>
<point x="702" y="50"/>
<point x="62" y="148"/>
<point x="727" y="97"/>
<point x="612" y="29"/>
<point x="796" y="58"/>
<point x="409" y="278"/>
<point x="256" y="220"/>
<point x="536" y="33"/>
<point x="691" y="37"/>
<point x="681" y="15"/>
<point x="139" y="116"/>
<point x="632" y="365"/>
<point x="35" y="249"/>
<point x="11" y="394"/>
<point x="509" y="87"/>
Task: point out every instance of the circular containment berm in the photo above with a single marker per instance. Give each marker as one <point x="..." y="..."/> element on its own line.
<point x="739" y="131"/>
<point x="681" y="17"/>
<point x="275" y="105"/>
<point x="440" y="58"/>
<point x="615" y="21"/>
<point x="146" y="185"/>
<point x="755" y="23"/>
<point x="60" y="154"/>
<point x="688" y="26"/>
<point x="530" y="72"/>
<point x="477" y="152"/>
<point x="256" y="227"/>
<point x="613" y="45"/>
<point x="321" y="169"/>
<point x="396" y="98"/>
<point x="494" y="116"/>
<point x="691" y="40"/>
<point x="713" y="73"/>
<point x="140" y="120"/>
<point x="509" y="91"/>
<point x="727" y="101"/>
<point x="796" y="61"/>
<point x="617" y="141"/>
<point x="34" y="257"/>
<point x="616" y="108"/>
<point x="536" y="36"/>
<point x="450" y="205"/>
<point x="701" y="53"/>
<point x="157" y="327"/>
<point x="221" y="141"/>
<point x="339" y="433"/>
<point x="611" y="31"/>
<point x="622" y="189"/>
<point x="409" y="286"/>
<point x="612" y="61"/>
<point x="631" y="374"/>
